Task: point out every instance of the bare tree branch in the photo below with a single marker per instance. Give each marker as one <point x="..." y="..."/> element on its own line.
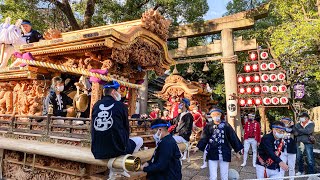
<point x="65" y="7"/>
<point x="89" y="13"/>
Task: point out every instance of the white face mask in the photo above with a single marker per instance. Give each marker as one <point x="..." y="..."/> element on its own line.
<point x="60" y="88"/>
<point x="302" y="119"/>
<point x="117" y="96"/>
<point x="278" y="135"/>
<point x="157" y="136"/>
<point x="216" y="118"/>
<point x="210" y="119"/>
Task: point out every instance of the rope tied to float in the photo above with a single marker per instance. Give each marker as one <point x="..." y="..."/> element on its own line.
<point x="80" y="71"/>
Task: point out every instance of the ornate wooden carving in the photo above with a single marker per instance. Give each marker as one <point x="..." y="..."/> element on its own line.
<point x="153" y="21"/>
<point x="52" y="34"/>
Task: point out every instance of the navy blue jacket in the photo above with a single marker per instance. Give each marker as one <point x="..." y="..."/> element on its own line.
<point x="110" y="129"/>
<point x="34" y="36"/>
<point x="231" y="140"/>
<point x="290" y="142"/>
<point x="185" y="128"/>
<point x="165" y="163"/>
<point x="267" y="150"/>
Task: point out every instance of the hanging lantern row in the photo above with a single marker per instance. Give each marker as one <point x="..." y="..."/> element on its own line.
<point x="275" y="101"/>
<point x="266" y="101"/>
<point x="264" y="77"/>
<point x="264" y="89"/>
<point x="248" y="68"/>
<point x="253" y="56"/>
<point x="268" y="66"/>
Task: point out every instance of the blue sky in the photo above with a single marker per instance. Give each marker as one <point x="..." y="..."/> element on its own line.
<point x="216" y="8"/>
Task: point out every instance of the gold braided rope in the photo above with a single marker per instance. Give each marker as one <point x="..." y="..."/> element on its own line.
<point x="80" y="71"/>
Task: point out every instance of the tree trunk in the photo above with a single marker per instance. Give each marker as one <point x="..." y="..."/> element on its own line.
<point x="88" y="14"/>
<point x="65" y="7"/>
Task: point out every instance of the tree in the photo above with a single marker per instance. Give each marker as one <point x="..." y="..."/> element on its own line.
<point x="88" y="13"/>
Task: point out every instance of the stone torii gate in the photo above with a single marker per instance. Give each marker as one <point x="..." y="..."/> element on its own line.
<point x="227" y="46"/>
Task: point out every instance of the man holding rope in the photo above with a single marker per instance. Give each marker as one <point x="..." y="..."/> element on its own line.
<point x="269" y="151"/>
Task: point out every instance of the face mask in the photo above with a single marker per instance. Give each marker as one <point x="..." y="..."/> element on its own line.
<point x="278" y="135"/>
<point x="302" y="119"/>
<point x="157" y="137"/>
<point x="210" y="119"/>
<point x="216" y="118"/>
<point x="116" y="96"/>
<point x="60" y="88"/>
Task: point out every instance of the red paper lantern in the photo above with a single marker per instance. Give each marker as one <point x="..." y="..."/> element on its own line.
<point x="284" y="100"/>
<point x="282" y="88"/>
<point x="257" y="90"/>
<point x="240" y="79"/>
<point x="273" y="77"/>
<point x="272" y="66"/>
<point x="275" y="100"/>
<point x="249" y="90"/>
<point x="265" y="89"/>
<point x="247" y="68"/>
<point x="248" y="79"/>
<point x="253" y="56"/>
<point x="256" y="78"/>
<point x="266" y="101"/>
<point x="255" y="67"/>
<point x="258" y="101"/>
<point x="274" y="89"/>
<point x="242" y="90"/>
<point x="264" y="55"/>
<point x="265" y="77"/>
<point x="250" y="102"/>
<point x="242" y="102"/>
<point x="281" y="76"/>
<point x="263" y="66"/>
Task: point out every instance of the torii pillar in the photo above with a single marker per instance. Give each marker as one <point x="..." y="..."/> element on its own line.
<point x="230" y="75"/>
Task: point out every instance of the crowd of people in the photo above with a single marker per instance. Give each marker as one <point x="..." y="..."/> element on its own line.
<point x="273" y="154"/>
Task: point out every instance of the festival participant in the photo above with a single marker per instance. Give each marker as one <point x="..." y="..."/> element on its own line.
<point x="165" y="163"/>
<point x="205" y="152"/>
<point x="289" y="152"/>
<point x="110" y="126"/>
<point x="166" y="115"/>
<point x="183" y="124"/>
<point x="197" y="116"/>
<point x="303" y="132"/>
<point x="174" y="111"/>
<point x="251" y="137"/>
<point x="269" y="151"/>
<point x="57" y="99"/>
<point x="220" y="137"/>
<point x="29" y="34"/>
<point x="154" y="114"/>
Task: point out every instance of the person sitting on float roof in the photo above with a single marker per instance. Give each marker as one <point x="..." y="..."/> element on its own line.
<point x="30" y="34"/>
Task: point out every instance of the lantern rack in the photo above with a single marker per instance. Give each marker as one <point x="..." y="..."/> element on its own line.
<point x="259" y="70"/>
<point x="251" y="107"/>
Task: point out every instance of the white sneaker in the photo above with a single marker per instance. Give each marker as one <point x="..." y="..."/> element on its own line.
<point x="254" y="165"/>
<point x="204" y="166"/>
<point x="243" y="164"/>
<point x="299" y="173"/>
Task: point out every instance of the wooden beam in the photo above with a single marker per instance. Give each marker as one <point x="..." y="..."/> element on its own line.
<point x="242" y="20"/>
<point x="215" y="48"/>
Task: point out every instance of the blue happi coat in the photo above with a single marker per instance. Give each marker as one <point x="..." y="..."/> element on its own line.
<point x="220" y="139"/>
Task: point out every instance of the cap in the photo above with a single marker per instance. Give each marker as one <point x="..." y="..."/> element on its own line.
<point x="26" y="22"/>
<point x="160" y="123"/>
<point x="186" y="101"/>
<point x="112" y="84"/>
<point x="216" y="110"/>
<point x="286" y="118"/>
<point x="304" y="114"/>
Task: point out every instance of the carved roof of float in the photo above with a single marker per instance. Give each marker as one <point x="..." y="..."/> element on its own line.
<point x="117" y="37"/>
<point x="176" y="85"/>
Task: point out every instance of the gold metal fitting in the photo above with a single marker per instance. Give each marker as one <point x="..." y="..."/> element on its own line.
<point x="50" y="109"/>
<point x="132" y="163"/>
